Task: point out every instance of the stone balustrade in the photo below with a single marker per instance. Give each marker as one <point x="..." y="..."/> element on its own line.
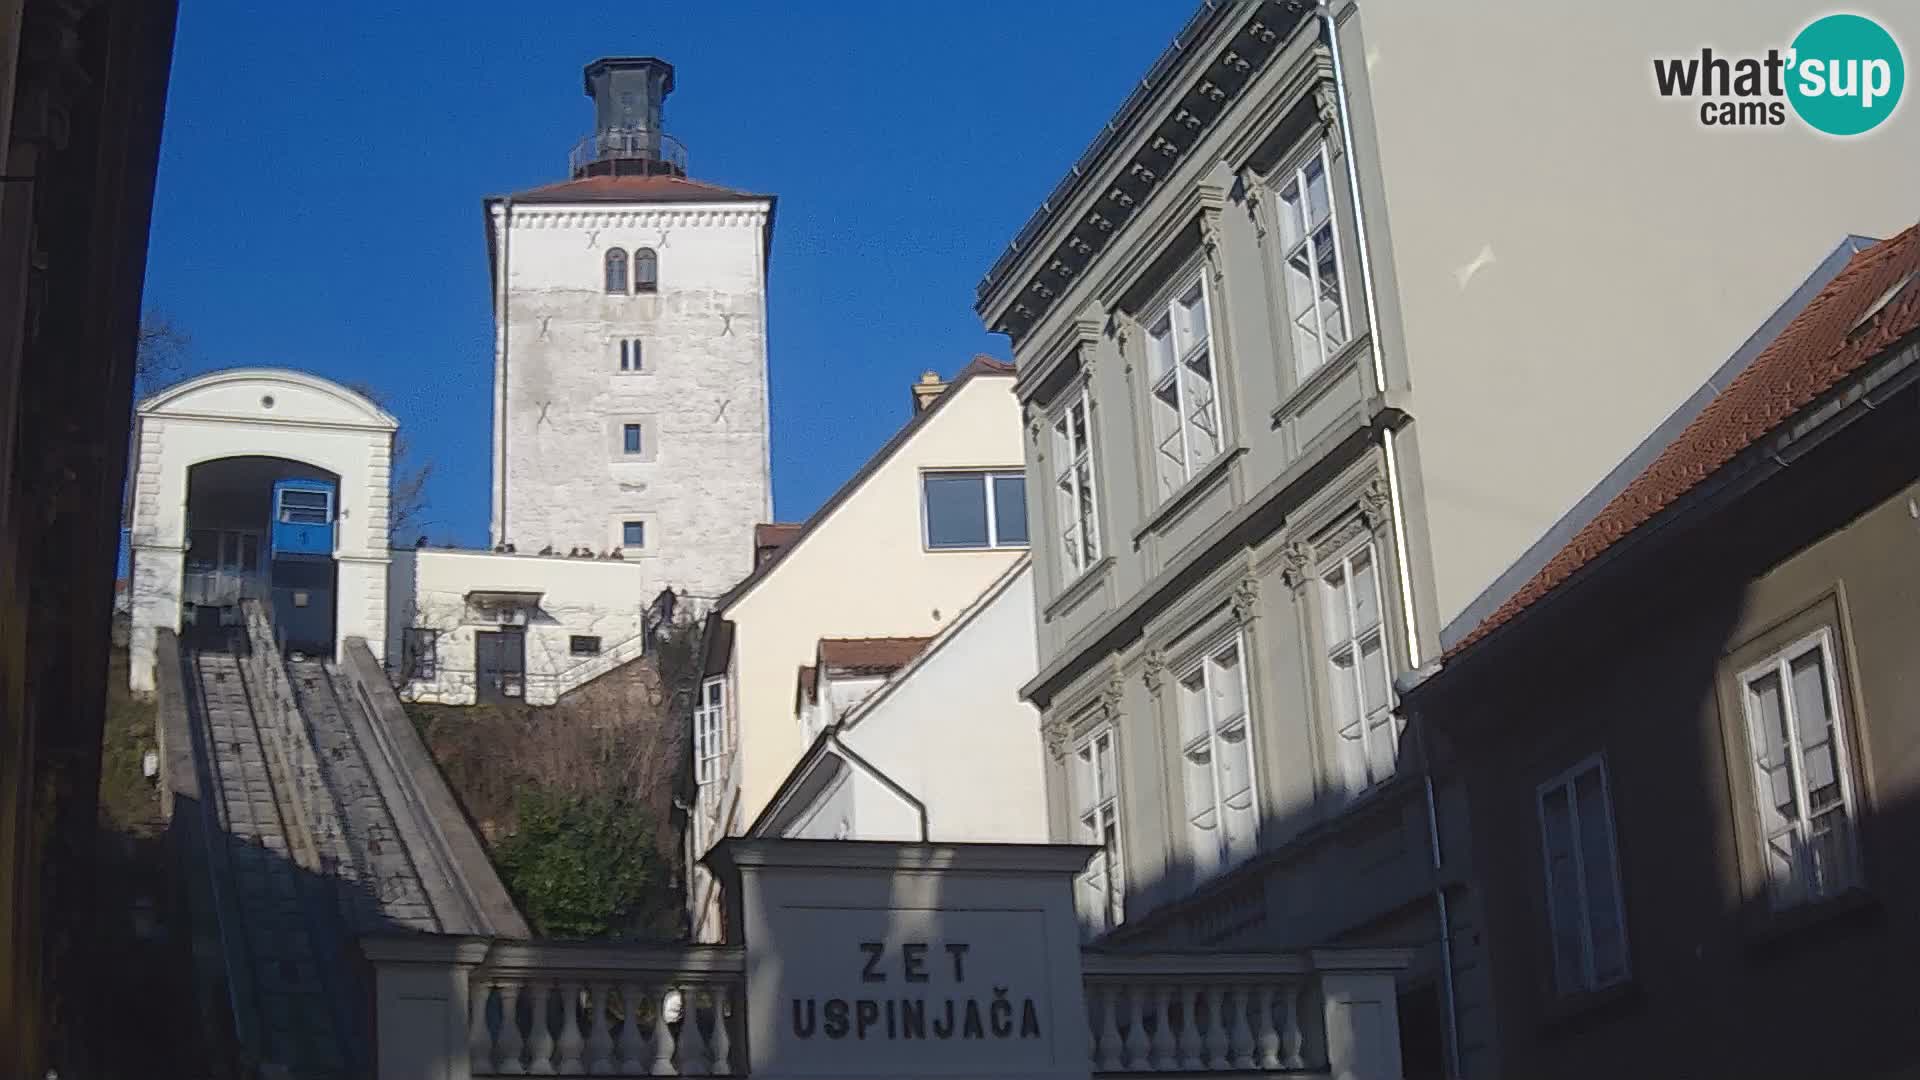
<point x="1196" y="1013"/>
<point x="608" y="1009"/>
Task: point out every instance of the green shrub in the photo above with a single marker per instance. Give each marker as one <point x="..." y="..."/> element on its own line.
<point x="584" y="865"/>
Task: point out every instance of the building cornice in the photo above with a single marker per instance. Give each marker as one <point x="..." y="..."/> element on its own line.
<point x="1188" y="91"/>
<point x="635" y="217"/>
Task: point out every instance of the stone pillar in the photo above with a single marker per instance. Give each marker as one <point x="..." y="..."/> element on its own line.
<point x="420" y="1005"/>
<point x="1362" y="1018"/>
<point x="153" y="597"/>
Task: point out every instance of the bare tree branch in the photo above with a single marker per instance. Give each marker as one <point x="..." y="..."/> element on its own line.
<point x="407" y="493"/>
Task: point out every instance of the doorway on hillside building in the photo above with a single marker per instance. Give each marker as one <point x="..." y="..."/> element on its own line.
<point x="500" y="665"/>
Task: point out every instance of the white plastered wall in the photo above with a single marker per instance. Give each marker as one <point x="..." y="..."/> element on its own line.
<point x="256" y="412"/>
<point x="600" y="598"/>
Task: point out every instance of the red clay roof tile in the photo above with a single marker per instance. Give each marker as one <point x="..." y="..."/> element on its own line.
<point x="632" y="189"/>
<point x="871" y="655"/>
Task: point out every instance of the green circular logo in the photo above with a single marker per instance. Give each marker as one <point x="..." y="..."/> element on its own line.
<point x="1846" y="74"/>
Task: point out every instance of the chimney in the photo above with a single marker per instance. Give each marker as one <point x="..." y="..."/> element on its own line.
<point x="924" y="391"/>
<point x="629" y="94"/>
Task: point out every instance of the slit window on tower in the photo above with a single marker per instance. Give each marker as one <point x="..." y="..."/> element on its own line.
<point x="617" y="271"/>
<point x="646" y="271"/>
<point x="630" y="355"/>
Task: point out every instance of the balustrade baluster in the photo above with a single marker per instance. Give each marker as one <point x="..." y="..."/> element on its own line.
<point x="1265" y="1036"/>
<point x="1137" y="1047"/>
<point x="662" y="1036"/>
<point x="692" y="1055"/>
<point x="1239" y="1035"/>
<point x="540" y="1046"/>
<point x="1106" y="1041"/>
<point x="1216" y="1040"/>
<point x="1189" y="1031"/>
<point x="1166" y="1052"/>
<point x="1291" y="1039"/>
<point x="572" y="1042"/>
<point x="600" y="1028"/>
<point x="722" y="1032"/>
<point x="511" y="1049"/>
<point x="627" y="1043"/>
<point x="479" y="1039"/>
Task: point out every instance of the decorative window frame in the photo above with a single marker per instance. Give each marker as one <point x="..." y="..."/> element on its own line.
<point x="1332" y="524"/>
<point x="1828" y="618"/>
<point x="1200" y="267"/>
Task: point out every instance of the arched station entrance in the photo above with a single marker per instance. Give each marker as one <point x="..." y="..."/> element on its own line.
<point x="263" y="528"/>
<point x="265" y="483"/>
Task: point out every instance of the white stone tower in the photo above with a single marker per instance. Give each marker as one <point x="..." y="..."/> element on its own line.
<point x="630" y="351"/>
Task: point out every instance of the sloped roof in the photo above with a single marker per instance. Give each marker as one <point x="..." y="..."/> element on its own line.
<point x="658" y="189"/>
<point x="981" y="365"/>
<point x="775" y="534"/>
<point x="1832" y="337"/>
<point x="872" y="656"/>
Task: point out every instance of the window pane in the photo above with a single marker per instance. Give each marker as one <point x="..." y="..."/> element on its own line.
<point x="1160" y="349"/>
<point x="1339" y="629"/>
<point x="1597" y="868"/>
<point x="956" y="510"/>
<point x="1103" y="767"/>
<point x="1085" y="793"/>
<point x="1193" y="707"/>
<point x="1089" y="531"/>
<point x="1193" y="318"/>
<point x="1373" y="675"/>
<point x="1229" y="696"/>
<point x="633" y="534"/>
<point x="1813" y="722"/>
<point x="1366" y="592"/>
<point x="1563" y="890"/>
<point x="1318" y="207"/>
<point x="1332" y="307"/>
<point x="1771" y="751"/>
<point x="1077" y="416"/>
<point x="616" y="271"/>
<point x="1291" y="227"/>
<point x="630" y="435"/>
<point x="1010" y="508"/>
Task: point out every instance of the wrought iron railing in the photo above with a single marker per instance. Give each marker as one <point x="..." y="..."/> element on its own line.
<point x="629" y="144"/>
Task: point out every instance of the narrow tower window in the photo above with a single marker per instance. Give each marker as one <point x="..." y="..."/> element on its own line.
<point x="630" y="354"/>
<point x="646" y="271"/>
<point x="617" y="271"/>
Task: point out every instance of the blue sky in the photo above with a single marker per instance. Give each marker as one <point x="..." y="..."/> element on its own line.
<point x="320" y="184"/>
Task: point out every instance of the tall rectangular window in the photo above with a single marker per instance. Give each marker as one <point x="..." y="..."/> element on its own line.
<point x="1096" y="803"/>
<point x="1803" y="778"/>
<point x="1584" y="909"/>
<point x="974" y="509"/>
<point x="1073" y="484"/>
<point x="710" y="731"/>
<point x="1368" y="732"/>
<point x="633" y="534"/>
<point x="630" y="438"/>
<point x="1310" y="247"/>
<point x="1217" y="760"/>
<point x="630" y="355"/>
<point x="1186" y="408"/>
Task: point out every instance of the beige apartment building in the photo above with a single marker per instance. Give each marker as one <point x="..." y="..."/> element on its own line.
<point x="1345" y="311"/>
<point x="901" y="551"/>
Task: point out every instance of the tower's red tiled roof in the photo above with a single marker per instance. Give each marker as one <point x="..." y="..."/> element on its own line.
<point x="1824" y="344"/>
<point x="658" y="188"/>
<point x="870" y="655"/>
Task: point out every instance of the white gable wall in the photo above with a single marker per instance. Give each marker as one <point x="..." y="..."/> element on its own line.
<point x="864" y="571"/>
